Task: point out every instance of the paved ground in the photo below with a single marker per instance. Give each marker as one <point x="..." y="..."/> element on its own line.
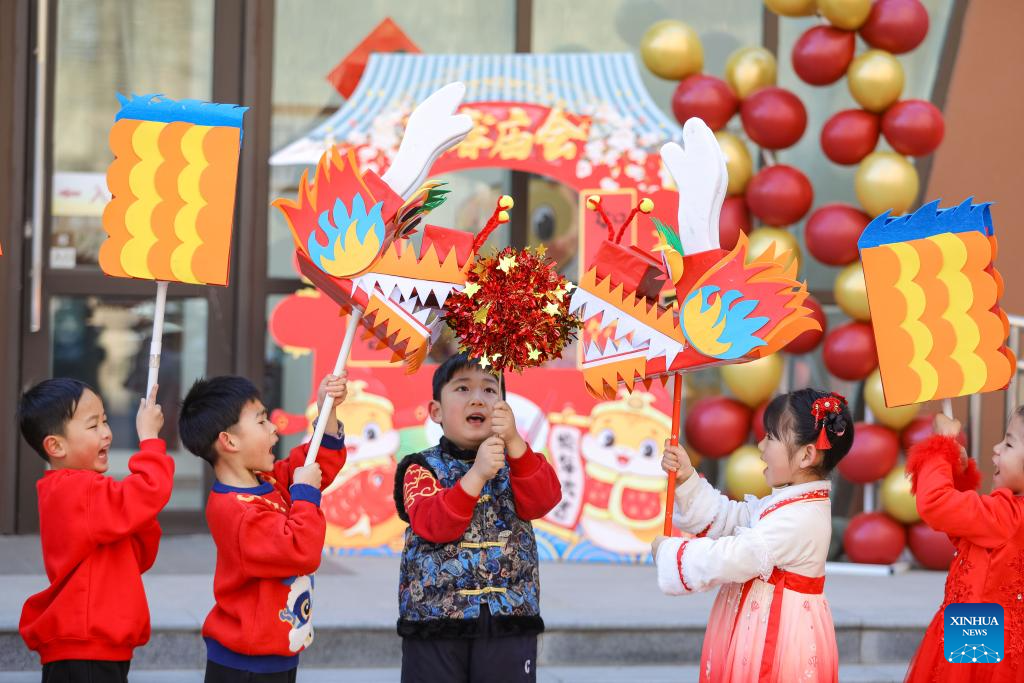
<point x="604" y="615"/>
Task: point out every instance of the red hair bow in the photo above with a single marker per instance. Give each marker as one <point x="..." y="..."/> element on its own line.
<point x="833" y="403"/>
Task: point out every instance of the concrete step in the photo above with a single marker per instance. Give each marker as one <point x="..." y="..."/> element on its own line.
<point x="596" y="614"/>
<point x="851" y="673"/>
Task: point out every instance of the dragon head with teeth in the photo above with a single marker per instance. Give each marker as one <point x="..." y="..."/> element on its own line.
<point x="731" y="306"/>
<point x="368" y="261"/>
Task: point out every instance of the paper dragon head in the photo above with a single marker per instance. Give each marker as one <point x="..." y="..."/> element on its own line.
<point x="731" y="307"/>
<point x="368" y="262"/>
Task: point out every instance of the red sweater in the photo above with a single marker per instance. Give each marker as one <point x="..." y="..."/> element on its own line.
<point x="269" y="540"/>
<point x="444" y="518"/>
<point x="98" y="536"/>
<point x="988" y="532"/>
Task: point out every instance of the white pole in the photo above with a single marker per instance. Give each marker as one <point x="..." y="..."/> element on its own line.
<point x="339" y="365"/>
<point x="156" y="342"/>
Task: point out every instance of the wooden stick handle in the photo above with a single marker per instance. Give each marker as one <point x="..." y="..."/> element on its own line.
<point x="339" y="365"/>
<point x="156" y="341"/>
<point x="670" y="495"/>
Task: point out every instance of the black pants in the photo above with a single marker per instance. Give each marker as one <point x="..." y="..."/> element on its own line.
<point x="218" y="673"/>
<point x="486" y="659"/>
<point x="85" y="671"/>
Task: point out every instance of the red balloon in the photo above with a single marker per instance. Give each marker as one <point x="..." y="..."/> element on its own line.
<point x="779" y="195"/>
<point x="874" y="538"/>
<point x="733" y="219"/>
<point x="931" y="548"/>
<point x="850" y="351"/>
<point x="920" y="429"/>
<point x="773" y="118"/>
<point x="913" y="127"/>
<point x="849" y="136"/>
<point x="758" y="422"/>
<point x="716" y="426"/>
<point x="874" y="453"/>
<point x="832" y="231"/>
<point x="822" y="54"/>
<point x="895" y="25"/>
<point x="809" y="340"/>
<point x="706" y="97"/>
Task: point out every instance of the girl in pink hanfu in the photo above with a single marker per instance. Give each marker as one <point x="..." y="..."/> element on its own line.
<point x="770" y="621"/>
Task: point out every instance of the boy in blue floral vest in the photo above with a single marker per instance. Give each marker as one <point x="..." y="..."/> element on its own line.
<point x="469" y="591"/>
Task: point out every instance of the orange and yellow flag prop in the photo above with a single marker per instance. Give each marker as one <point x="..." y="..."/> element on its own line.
<point x="934" y="295"/>
<point x="173" y="186"/>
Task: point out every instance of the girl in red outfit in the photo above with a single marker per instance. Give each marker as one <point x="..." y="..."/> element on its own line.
<point x="988" y="532"/>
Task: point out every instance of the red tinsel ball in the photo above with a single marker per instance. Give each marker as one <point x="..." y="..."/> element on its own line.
<point x="513" y="312"/>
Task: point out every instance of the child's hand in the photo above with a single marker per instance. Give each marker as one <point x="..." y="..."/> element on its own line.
<point x="309" y="474"/>
<point x="945" y="426"/>
<point x="658" y="540"/>
<point x="335" y="386"/>
<point x="150" y="419"/>
<point x="677" y="460"/>
<point x="490" y="458"/>
<point x="503" y="424"/>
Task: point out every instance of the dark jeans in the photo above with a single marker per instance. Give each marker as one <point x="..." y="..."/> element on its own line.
<point x="218" y="673"/>
<point x="486" y="659"/>
<point x="86" y="671"/>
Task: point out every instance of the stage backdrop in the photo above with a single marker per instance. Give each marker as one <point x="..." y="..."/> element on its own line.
<point x="586" y="121"/>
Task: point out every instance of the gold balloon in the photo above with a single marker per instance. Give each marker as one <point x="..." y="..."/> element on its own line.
<point x="886" y="180"/>
<point x="760" y="238"/>
<point x="744" y="473"/>
<point x="792" y="8"/>
<point x="875" y="79"/>
<point x="897" y="499"/>
<point x="845" y="14"/>
<point x="738" y="163"/>
<point x="895" y="418"/>
<point x="672" y="50"/>
<point x="748" y="69"/>
<point x="755" y="382"/>
<point x="851" y="292"/>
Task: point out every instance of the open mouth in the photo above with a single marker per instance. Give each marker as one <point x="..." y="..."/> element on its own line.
<point x="476" y="419"/>
<point x="622" y="459"/>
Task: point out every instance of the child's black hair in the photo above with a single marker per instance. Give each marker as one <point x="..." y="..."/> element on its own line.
<point x="45" y="410"/>
<point x="788" y="418"/>
<point x="211" y="407"/>
<point x="446" y="370"/>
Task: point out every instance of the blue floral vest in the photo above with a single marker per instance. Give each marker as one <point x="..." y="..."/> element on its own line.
<point x="443" y="585"/>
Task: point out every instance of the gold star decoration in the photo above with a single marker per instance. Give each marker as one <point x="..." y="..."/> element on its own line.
<point x="569" y="286"/>
<point x="534" y="353"/>
<point x="559" y="293"/>
<point x="480" y="269"/>
<point x="484" y="362"/>
<point x="481" y="314"/>
<point x="552" y="308"/>
<point x="470" y="289"/>
<point x="506" y="263"/>
<point x="542" y="251"/>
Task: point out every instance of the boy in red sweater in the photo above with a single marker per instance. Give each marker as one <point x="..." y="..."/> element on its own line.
<point x="469" y="589"/>
<point x="265" y="519"/>
<point x="98" y="534"/>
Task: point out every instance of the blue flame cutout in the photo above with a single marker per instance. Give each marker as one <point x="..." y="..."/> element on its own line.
<point x="335" y="224"/>
<point x="740" y="330"/>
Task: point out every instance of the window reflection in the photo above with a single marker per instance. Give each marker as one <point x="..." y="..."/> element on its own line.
<point x="105" y="342"/>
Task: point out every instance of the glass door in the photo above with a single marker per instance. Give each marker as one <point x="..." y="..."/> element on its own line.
<point x="87" y="325"/>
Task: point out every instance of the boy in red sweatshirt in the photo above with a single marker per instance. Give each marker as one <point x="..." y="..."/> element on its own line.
<point x="265" y="519"/>
<point x="469" y="585"/>
<point x="98" y="534"/>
